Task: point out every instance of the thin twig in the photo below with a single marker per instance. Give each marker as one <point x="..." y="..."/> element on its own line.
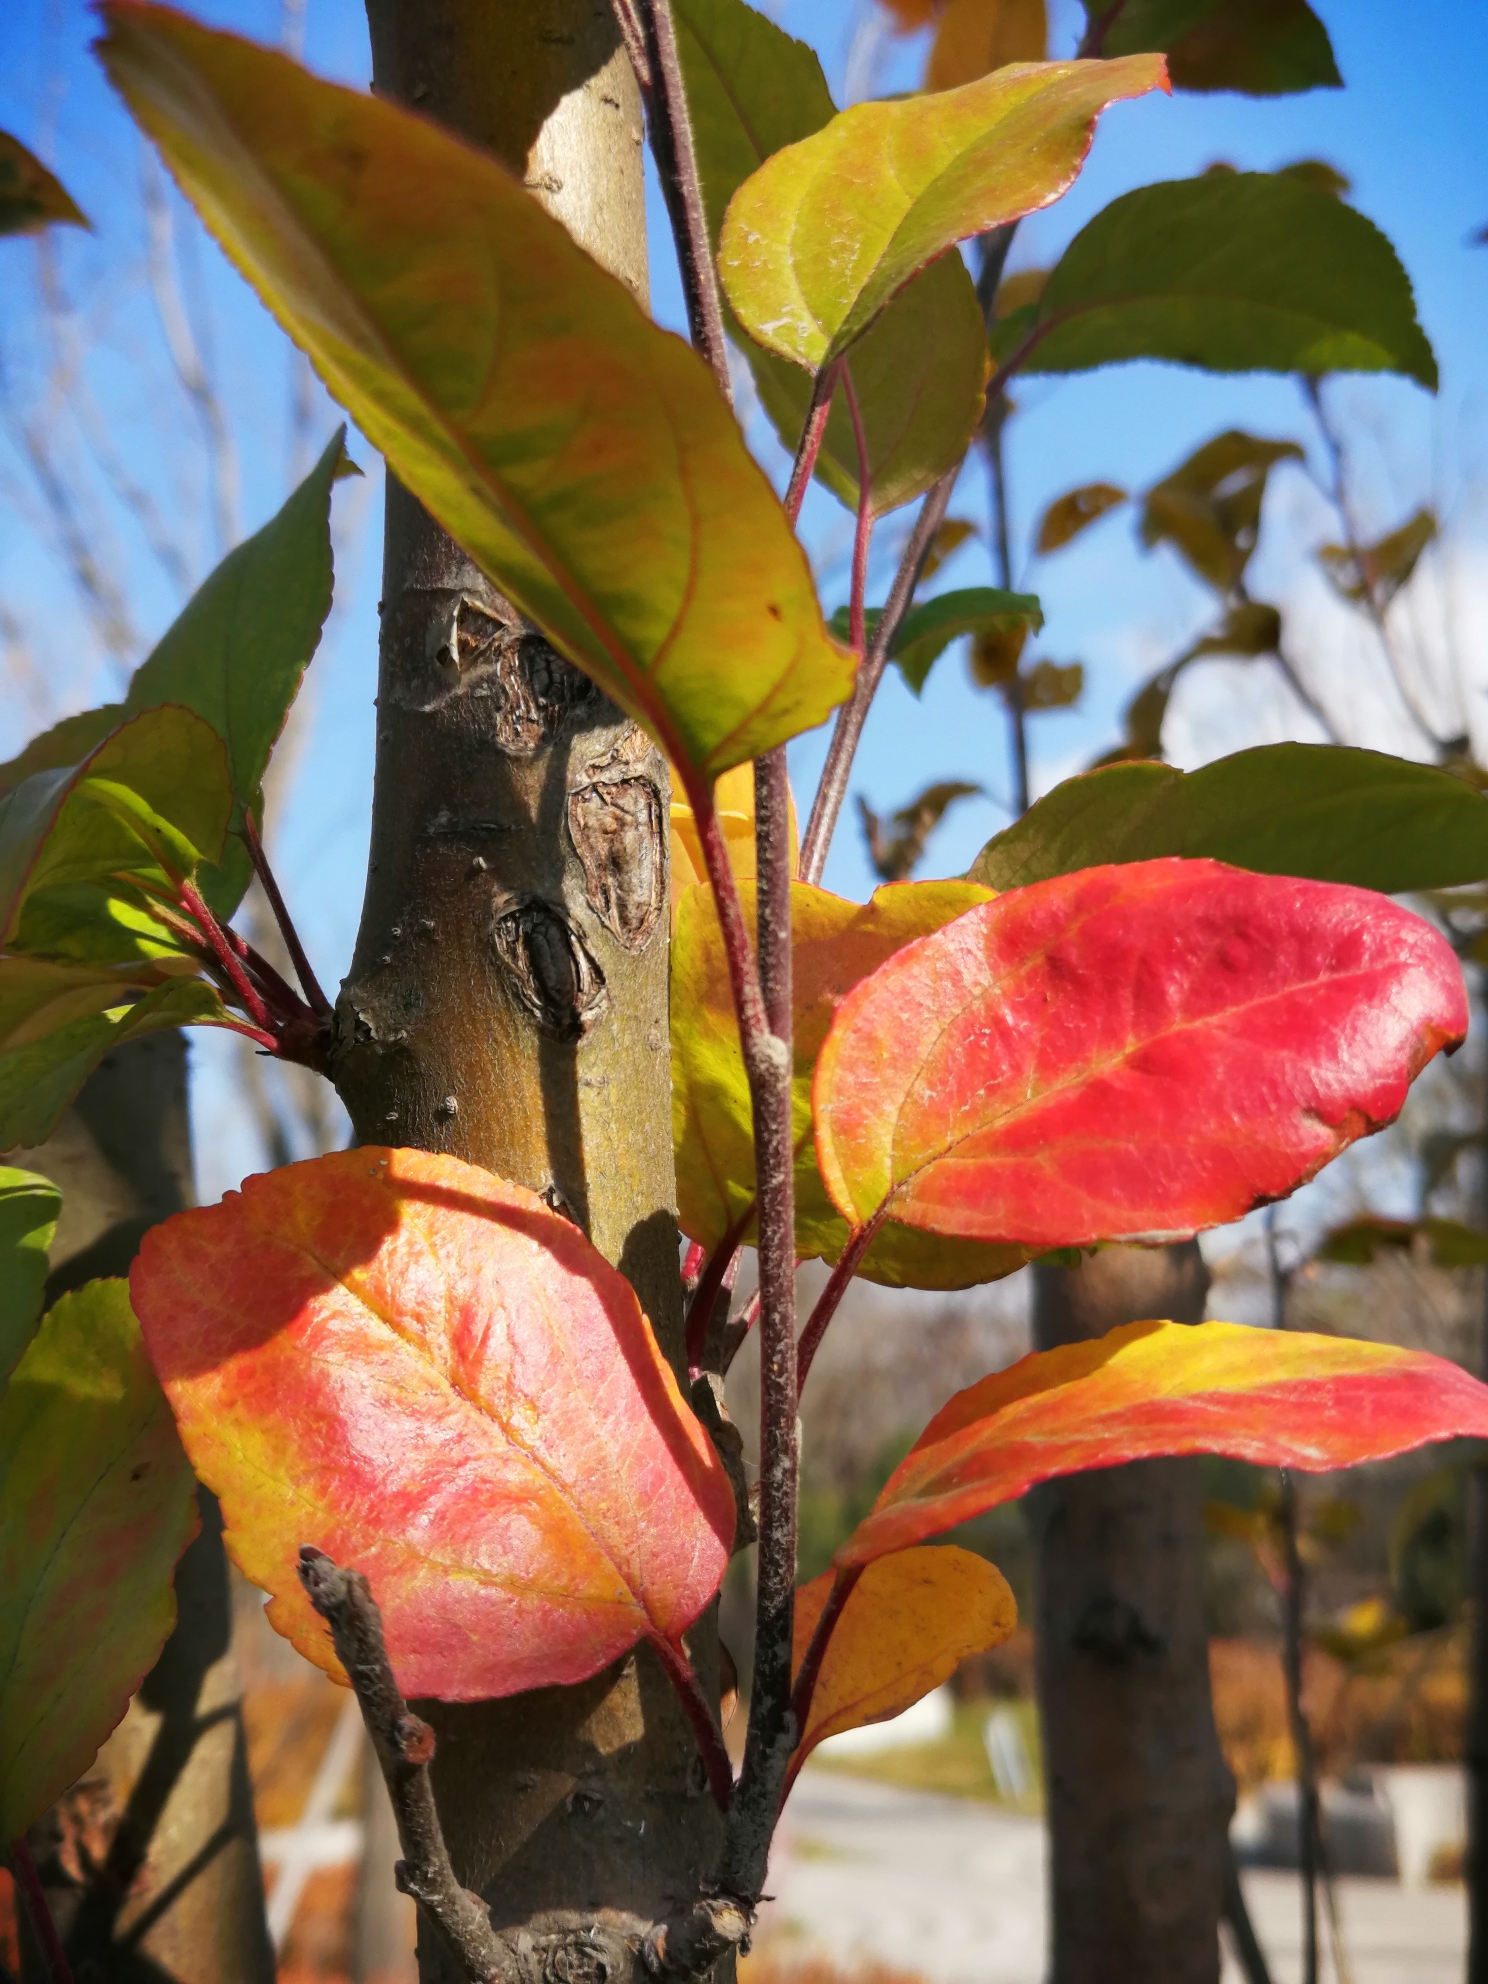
<point x="832" y="1293"/>
<point x="832" y="790"/>
<point x="1248" y="1951"/>
<point x="842" y="1590"/>
<point x="404" y="1747"/>
<point x="676" y="164"/>
<point x="1313" y="393"/>
<point x="29" y="1883"/>
<point x="734" y="1335"/>
<point x="1012" y="695"/>
<point x="707" y="1312"/>
<point x="679" y="1671"/>
<point x="319" y="1003"/>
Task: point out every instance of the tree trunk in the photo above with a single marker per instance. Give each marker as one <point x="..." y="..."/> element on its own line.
<point x="1139" y="1797"/>
<point x="151" y="1861"/>
<point x="507" y="1002"/>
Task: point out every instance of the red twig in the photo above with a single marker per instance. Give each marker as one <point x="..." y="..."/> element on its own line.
<point x="227" y="957"/>
<point x="320" y="1005"/>
<point x="29" y="1883"/>
<point x="635" y="42"/>
<point x="679" y="1671"/>
<point x="737" y="1331"/>
<point x="816" y="1653"/>
<point x="812" y="436"/>
<point x="863" y="534"/>
<point x="848" y="729"/>
<point x="832" y="1294"/>
<point x="714" y="1286"/>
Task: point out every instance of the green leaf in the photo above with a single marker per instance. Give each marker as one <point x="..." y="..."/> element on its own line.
<point x="1320" y="811"/>
<point x="238" y="651"/>
<point x="1068" y="515"/>
<point x="919" y="374"/>
<point x="164" y="772"/>
<point x="1209" y="508"/>
<point x="1232" y="272"/>
<point x="28" y="1218"/>
<point x="66" y="743"/>
<point x="31" y="198"/>
<point x="1260" y="47"/>
<point x="928" y="629"/>
<point x="40" y="1076"/>
<point x="827" y="231"/>
<point x="97" y="1504"/>
<point x="1382" y="568"/>
<point x="1448" y="1243"/>
<point x="581" y="455"/>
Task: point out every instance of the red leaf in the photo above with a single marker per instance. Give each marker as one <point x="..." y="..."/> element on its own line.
<point x="1132" y="1051"/>
<point x="428" y="1374"/>
<point x="1277" y="1399"/>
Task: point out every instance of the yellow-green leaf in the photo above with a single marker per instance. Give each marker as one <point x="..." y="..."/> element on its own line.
<point x="827" y="231"/>
<point x="1209" y="508"/>
<point x="96" y="1505"/>
<point x="582" y="456"/>
<point x="1231" y="272"/>
<point x="919" y="374"/>
<point x="28" y="1218"/>
<point x="1068" y="515"/>
<point x="1382" y="568"/>
<point x="835" y="943"/>
<point x="31" y="197"/>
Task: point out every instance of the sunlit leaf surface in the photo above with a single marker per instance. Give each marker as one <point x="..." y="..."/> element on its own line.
<point x="1127" y="1051"/>
<point x="1275" y="1398"/>
<point x="911" y="1620"/>
<point x="582" y="456"/>
<point x="426" y="1373"/>
<point x="828" y="230"/>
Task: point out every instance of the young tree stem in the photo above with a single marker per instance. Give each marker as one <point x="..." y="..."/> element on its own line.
<point x="771" y="1733"/>
<point x="676" y="164"/>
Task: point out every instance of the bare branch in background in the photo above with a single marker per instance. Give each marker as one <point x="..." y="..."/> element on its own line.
<point x="181" y="341"/>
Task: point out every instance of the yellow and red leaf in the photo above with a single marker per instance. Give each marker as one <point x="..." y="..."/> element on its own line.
<point x="1277" y="1399"/>
<point x="427" y="1373"/>
<point x="1127" y="1052"/>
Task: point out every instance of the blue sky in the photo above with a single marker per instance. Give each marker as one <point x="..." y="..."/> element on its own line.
<point x="1406" y="129"/>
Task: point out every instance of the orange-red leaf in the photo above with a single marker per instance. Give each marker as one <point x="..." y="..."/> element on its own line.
<point x="909" y="1622"/>
<point x="428" y="1374"/>
<point x="1127" y="1051"/>
<point x="1277" y="1399"/>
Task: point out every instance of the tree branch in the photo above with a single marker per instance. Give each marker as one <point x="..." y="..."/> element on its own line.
<point x="832" y="790"/>
<point x="1312" y="392"/>
<point x="404" y="1747"/>
<point x="676" y="162"/>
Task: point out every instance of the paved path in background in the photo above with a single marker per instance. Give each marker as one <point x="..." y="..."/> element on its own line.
<point x="955" y="1892"/>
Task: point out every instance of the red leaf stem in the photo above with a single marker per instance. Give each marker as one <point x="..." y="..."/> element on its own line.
<point x="680" y="1672"/>
<point x="812" y="435"/>
<point x="227" y="957"/>
<point x="863" y="533"/>
<point x="831" y="1296"/>
<point x="816" y="1653"/>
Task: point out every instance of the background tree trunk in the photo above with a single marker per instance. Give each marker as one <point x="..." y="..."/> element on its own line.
<point x="1139" y="1797"/>
<point x="151" y="1861"/>
<point x="507" y="1002"/>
